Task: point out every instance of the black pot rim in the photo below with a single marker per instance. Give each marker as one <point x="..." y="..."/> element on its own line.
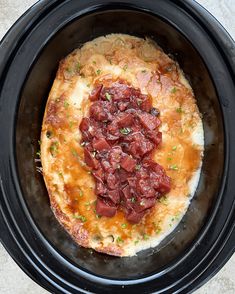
<point x="11" y="237"/>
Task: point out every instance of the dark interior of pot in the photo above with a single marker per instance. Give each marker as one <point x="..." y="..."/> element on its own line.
<point x="28" y="127"/>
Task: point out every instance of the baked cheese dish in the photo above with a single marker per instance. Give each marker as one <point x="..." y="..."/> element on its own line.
<point x="121" y="144"/>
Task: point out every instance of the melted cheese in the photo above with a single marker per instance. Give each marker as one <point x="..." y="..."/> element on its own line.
<point x="70" y="185"/>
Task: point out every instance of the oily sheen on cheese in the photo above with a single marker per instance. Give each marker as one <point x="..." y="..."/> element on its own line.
<point x="70" y="184"/>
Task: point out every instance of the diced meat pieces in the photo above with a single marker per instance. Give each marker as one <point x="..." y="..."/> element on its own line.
<point x="100" y="144"/>
<point x="125" y="120"/>
<point x="115" y="156"/>
<point x="90" y="160"/>
<point x="112" y="181"/>
<point x="106" y="165"/>
<point x="134" y="217"/>
<point x="155" y="137"/>
<point x="97" y="111"/>
<point x="164" y="184"/>
<point x="128" y="163"/>
<point x="140" y="145"/>
<point x="144" y="187"/>
<point x="84" y="125"/>
<point x="123" y="175"/>
<point x="100" y="188"/>
<point x="98" y="174"/>
<point x="122" y="105"/>
<point x="104" y="209"/>
<point x="126" y="192"/>
<point x="114" y="195"/>
<point x="120" y="134"/>
<point x="95" y="93"/>
<point x="145" y="204"/>
<point x="113" y="132"/>
<point x="149" y="121"/>
<point x="145" y="104"/>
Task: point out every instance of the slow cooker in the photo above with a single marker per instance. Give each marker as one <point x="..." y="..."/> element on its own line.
<point x="30" y="52"/>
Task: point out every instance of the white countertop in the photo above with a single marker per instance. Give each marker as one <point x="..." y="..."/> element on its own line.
<point x="12" y="279"/>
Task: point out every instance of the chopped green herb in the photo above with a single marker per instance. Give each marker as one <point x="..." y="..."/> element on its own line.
<point x="96" y="214"/>
<point x="138" y="166"/>
<point x="163" y="200"/>
<point x="98" y="72"/>
<point x="39" y="142"/>
<point x="158" y="230"/>
<point x="174" y="167"/>
<point x="74" y="153"/>
<point x="108" y="96"/>
<point x="71" y="124"/>
<point x="88" y="85"/>
<point x="94" y="62"/>
<point x="78" y="67"/>
<point x="133" y="200"/>
<point x="38" y="153"/>
<point x="125" y="131"/>
<point x="119" y="240"/>
<point x="177" y="216"/>
<point x="143" y="71"/>
<point x="80" y="193"/>
<point x="123" y="226"/>
<point x="136" y="242"/>
<point x="81" y="217"/>
<point x="60" y="174"/>
<point x="54" y="148"/>
<point x="125" y="67"/>
<point x="174" y="148"/>
<point x="173" y="90"/>
<point x="66" y="104"/>
<point x="110" y="61"/>
<point x="87" y="203"/>
<point x="169" y="158"/>
<point x="145" y="237"/>
<point x="139" y="102"/>
<point x="179" y="110"/>
<point x="69" y="70"/>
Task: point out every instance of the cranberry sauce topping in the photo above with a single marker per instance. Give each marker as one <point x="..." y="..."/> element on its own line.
<point x="118" y="138"/>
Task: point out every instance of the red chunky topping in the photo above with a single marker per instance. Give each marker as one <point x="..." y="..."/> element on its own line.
<point x="118" y="138"/>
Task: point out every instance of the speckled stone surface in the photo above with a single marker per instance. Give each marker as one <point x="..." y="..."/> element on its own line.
<point x="12" y="279"/>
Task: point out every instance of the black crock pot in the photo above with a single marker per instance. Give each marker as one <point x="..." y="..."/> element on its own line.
<point x="29" y="56"/>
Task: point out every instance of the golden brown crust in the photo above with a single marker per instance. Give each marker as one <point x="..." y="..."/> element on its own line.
<point x="142" y="64"/>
